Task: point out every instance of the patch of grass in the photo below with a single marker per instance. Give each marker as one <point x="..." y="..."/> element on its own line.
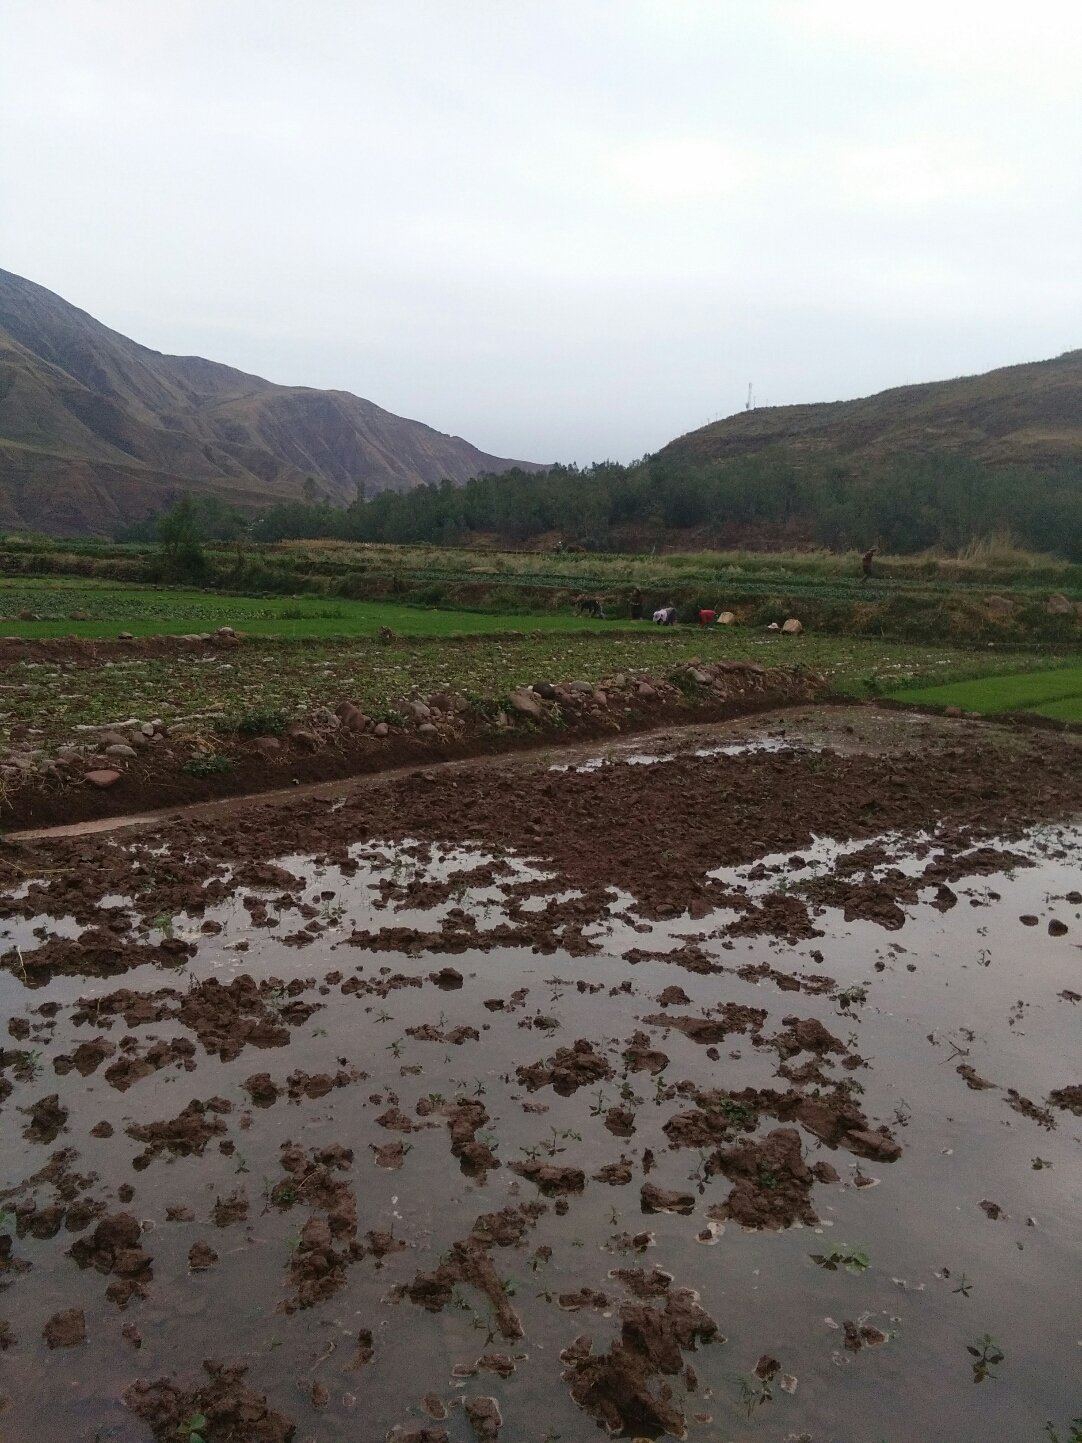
<point x="1053" y="693"/>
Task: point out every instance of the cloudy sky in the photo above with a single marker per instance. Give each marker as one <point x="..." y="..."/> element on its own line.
<point x="561" y="228"/>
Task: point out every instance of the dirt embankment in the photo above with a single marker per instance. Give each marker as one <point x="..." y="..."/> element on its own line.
<point x="118" y="774"/>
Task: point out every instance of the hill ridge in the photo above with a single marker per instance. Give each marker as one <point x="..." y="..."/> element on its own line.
<point x="97" y="429"/>
<point x="1028" y="413"/>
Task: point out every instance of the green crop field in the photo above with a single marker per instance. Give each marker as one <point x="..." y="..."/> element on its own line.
<point x="156" y="611"/>
<point x="1053" y="693"/>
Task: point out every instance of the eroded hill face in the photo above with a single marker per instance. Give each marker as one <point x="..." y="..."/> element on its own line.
<point x="1028" y="415"/>
<point x="96" y="430"/>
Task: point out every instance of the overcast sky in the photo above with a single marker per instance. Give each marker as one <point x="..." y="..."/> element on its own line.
<point x="561" y="228"/>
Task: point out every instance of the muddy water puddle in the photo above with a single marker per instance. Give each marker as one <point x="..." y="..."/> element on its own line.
<point x="666" y="1179"/>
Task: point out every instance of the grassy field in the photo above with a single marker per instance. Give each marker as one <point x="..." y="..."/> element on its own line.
<point x="156" y="611"/>
<point x="290" y="677"/>
<point x="1055" y="693"/>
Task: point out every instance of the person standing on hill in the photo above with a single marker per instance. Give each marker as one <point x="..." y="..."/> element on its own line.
<point x="636" y="604"/>
<point x="866" y="562"/>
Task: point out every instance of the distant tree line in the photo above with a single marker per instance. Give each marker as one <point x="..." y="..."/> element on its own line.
<point x="905" y="504"/>
<point x="190" y="518"/>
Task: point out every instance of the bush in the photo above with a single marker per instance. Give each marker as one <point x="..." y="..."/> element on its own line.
<point x="208" y="766"/>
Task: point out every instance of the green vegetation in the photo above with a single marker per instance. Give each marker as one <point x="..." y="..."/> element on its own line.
<point x="989" y="593"/>
<point x="1053" y="693"/>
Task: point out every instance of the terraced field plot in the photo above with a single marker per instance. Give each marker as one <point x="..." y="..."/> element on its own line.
<point x="1054" y="693"/>
<point x="45" y="701"/>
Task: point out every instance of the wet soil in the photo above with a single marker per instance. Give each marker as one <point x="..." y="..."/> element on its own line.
<point x="667" y="1094"/>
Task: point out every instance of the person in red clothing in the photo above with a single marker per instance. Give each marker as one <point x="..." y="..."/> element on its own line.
<point x="706" y="618"/>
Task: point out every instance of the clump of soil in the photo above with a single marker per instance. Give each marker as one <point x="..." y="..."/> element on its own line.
<point x="1069" y="1098"/>
<point x="551" y="1180"/>
<point x="233" y="1208"/>
<point x="231" y="1408"/>
<point x="731" y="1017"/>
<point x="185" y="1135"/>
<point x="465" y="1118"/>
<point x="317" y="1268"/>
<point x="616" y="1387"/>
<point x="95" y="953"/>
<point x="807" y="1034"/>
<point x="654" y="1199"/>
<point x="469" y="1262"/>
<point x="47" y="1119"/>
<point x="568" y="1069"/>
<point x="771" y="1182"/>
<point x="485" y="1418"/>
<point x="201" y="1256"/>
<point x="113" y="1247"/>
<point x="66" y="1329"/>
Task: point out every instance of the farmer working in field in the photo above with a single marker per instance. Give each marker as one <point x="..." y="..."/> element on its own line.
<point x="866" y="562"/>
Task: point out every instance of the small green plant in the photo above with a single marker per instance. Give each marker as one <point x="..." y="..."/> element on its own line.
<point x="986" y="1355"/>
<point x="753" y="1394"/>
<point x="193" y="1430"/>
<point x="737" y="1114"/>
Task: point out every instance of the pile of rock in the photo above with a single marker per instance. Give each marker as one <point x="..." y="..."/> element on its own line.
<point x="99" y="760"/>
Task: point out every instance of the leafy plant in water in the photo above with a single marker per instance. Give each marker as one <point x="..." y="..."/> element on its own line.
<point x="986" y="1355"/>
<point x="1074" y="1436"/>
<point x="754" y="1394"/>
<point x="853" y="1260"/>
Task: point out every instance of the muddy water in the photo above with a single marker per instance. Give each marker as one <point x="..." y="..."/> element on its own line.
<point x="929" y="1273"/>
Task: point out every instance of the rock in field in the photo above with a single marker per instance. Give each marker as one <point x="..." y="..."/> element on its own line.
<point x="102" y="778"/>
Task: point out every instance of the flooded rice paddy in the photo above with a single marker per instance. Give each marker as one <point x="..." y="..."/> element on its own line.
<point x="435" y="1145"/>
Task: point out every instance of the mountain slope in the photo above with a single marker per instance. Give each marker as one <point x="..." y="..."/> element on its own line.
<point x="1028" y="415"/>
<point x="96" y="430"/>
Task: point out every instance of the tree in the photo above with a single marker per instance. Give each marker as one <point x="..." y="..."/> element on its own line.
<point x="180" y="540"/>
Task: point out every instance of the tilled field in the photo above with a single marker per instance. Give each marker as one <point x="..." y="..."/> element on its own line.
<point x="726" y="1086"/>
